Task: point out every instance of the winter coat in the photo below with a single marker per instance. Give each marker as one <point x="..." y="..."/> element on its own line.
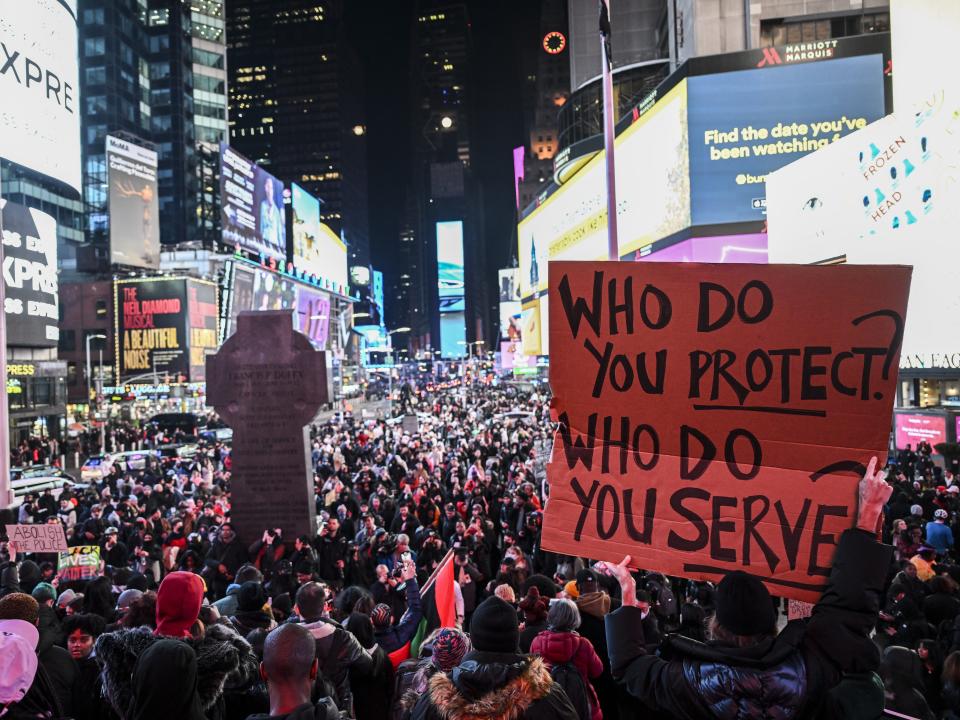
<point x="231" y="555"/>
<point x="393" y="638"/>
<point x="412" y="679"/>
<point x="784" y="677"/>
<point x="939" y="607"/>
<point x="60" y="666"/>
<point x="338" y="652"/>
<point x="88" y="701"/>
<point x="495" y="686"/>
<point x="594" y="608"/>
<point x="323" y="710"/>
<point x="245" y="622"/>
<point x="562" y="647"/>
<point x="951" y="701"/>
<point x="902" y="673"/>
<point x="373" y="691"/>
<point x="529" y="632"/>
<point x="224" y="661"/>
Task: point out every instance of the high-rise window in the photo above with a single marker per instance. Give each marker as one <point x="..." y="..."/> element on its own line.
<point x="93" y="16"/>
<point x="95" y="75"/>
<point x="94" y="47"/>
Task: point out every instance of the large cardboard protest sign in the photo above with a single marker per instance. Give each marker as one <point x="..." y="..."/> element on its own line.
<point x="43" y="538"/>
<point x="718" y="417"/>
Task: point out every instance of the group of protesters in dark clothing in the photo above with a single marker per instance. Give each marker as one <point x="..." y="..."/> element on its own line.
<point x="186" y="619"/>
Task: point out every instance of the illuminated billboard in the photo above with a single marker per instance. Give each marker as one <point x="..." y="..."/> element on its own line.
<point x="913" y="429"/>
<point x="313" y="315"/>
<point x="510" y="308"/>
<point x="202" y="322"/>
<point x="133" y="204"/>
<point x="653" y="190"/>
<point x="151" y="328"/>
<point x="40" y="122"/>
<point x="165" y="326"/>
<point x="746" y="124"/>
<point x="251" y="287"/>
<point x="30" y="276"/>
<point x="713" y="249"/>
<point x="450" y="288"/>
<point x="251" y="207"/>
<point x="317" y="250"/>
<point x="887" y="194"/>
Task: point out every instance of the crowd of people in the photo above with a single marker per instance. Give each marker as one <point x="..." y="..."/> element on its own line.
<point x="186" y="619"/>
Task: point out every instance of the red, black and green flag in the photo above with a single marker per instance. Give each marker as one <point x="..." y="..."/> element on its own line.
<point x="439" y="609"/>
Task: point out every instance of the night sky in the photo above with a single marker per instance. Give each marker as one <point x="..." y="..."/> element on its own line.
<point x="381" y="32"/>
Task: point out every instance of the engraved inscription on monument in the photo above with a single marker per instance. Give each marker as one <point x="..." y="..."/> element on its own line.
<point x="267" y="382"/>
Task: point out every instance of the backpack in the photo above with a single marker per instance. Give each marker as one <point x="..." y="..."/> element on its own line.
<point x="569" y="678"/>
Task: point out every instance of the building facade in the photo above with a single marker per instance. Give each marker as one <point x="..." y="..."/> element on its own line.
<point x="689" y="28"/>
<point x="297" y="108"/>
<point x="153" y="72"/>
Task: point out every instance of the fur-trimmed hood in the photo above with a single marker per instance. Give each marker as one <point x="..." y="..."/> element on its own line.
<point x="483" y="688"/>
<point x="224" y="661"/>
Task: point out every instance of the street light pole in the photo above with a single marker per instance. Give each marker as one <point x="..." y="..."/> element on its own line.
<point x="90" y="376"/>
<point x="103" y="425"/>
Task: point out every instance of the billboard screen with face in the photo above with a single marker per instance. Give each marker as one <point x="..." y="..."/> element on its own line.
<point x="251" y="202"/>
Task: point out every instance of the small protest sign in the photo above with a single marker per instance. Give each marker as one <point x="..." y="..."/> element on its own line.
<point x="79" y="563"/>
<point x="718" y="417"/>
<point x="37" y="538"/>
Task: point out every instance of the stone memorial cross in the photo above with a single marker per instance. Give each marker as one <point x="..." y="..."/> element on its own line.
<point x="267" y="382"/>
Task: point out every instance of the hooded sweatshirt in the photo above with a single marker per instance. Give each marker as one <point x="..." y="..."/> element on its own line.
<point x="165" y="683"/>
<point x="178" y="604"/>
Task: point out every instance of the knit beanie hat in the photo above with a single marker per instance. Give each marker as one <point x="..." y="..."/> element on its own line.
<point x="494" y="626"/>
<point x="534" y="607"/>
<point x="380" y="616"/>
<point x="251" y="597"/>
<point x="43" y="592"/>
<point x="744" y="606"/>
<point x="571" y="589"/>
<point x="449" y="647"/>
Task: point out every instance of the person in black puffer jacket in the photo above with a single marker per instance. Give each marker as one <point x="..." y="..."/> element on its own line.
<point x="748" y="670"/>
<point x="494" y="681"/>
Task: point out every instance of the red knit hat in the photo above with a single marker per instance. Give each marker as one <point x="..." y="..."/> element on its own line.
<point x="178" y="604"/>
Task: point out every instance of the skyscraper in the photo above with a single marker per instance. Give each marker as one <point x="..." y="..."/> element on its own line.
<point x="546" y="91"/>
<point x="442" y="184"/>
<point x="153" y="71"/>
<point x="296" y="105"/>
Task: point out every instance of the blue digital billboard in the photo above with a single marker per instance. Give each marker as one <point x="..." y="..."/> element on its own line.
<point x="450" y="288"/>
<point x="747" y="123"/>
